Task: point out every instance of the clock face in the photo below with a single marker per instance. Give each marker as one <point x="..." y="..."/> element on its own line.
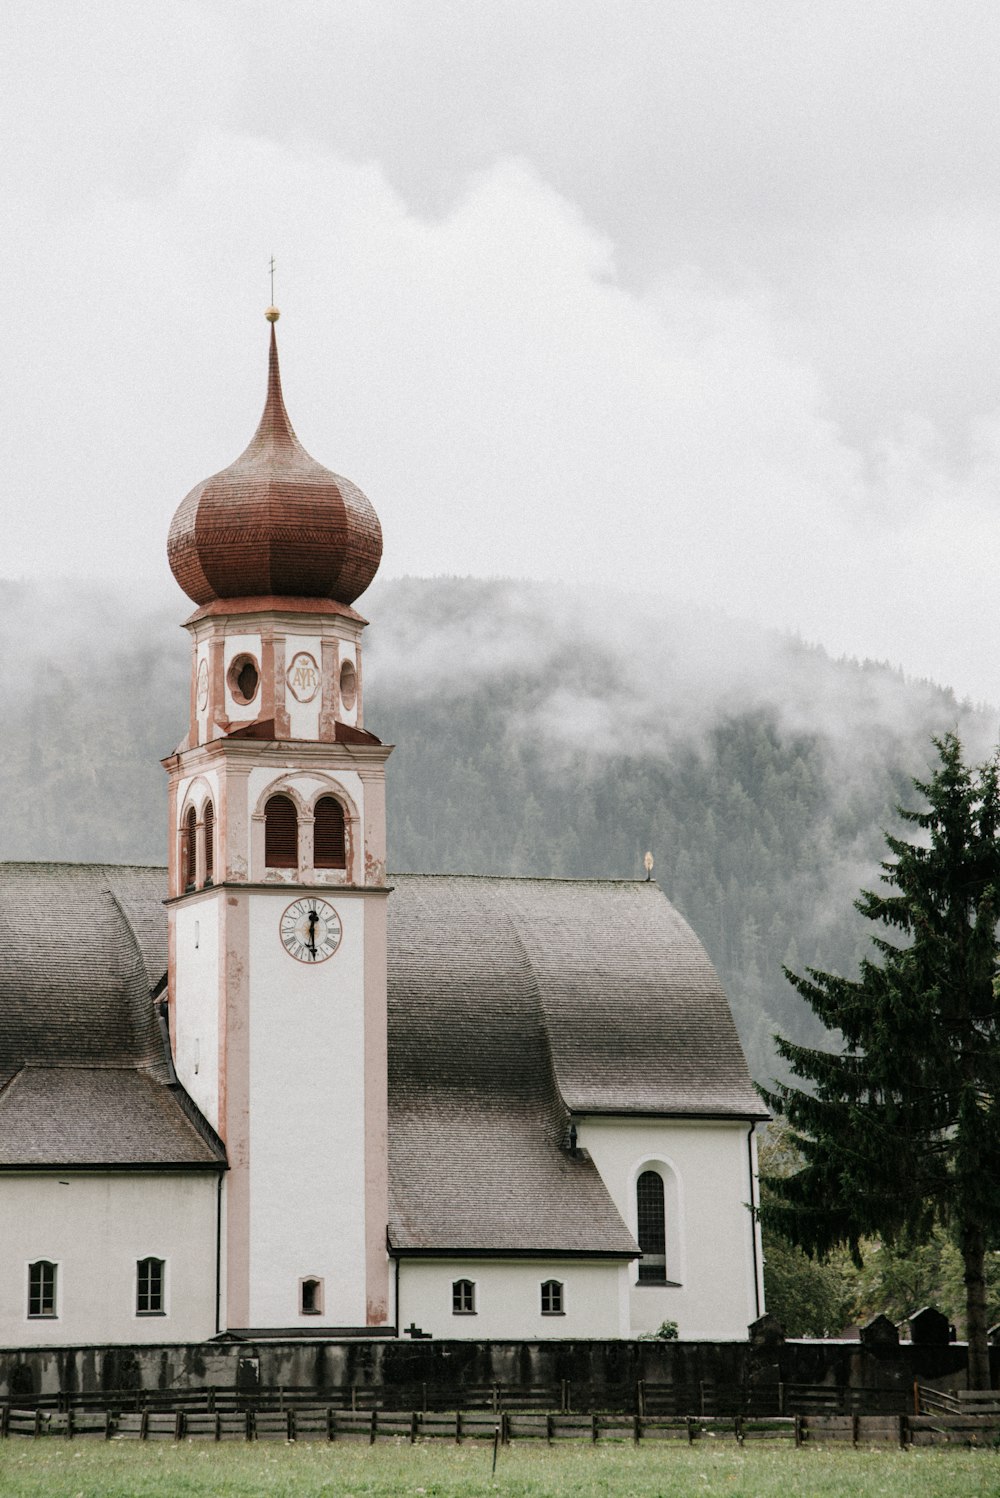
<point x="310" y="930"/>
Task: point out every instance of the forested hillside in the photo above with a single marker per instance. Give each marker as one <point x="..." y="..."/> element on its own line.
<point x="538" y="731"/>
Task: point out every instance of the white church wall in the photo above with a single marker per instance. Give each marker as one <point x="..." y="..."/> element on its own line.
<point x="196" y="985"/>
<point x="303" y="679"/>
<point x="507" y="1298"/>
<point x="307" y="1145"/>
<point x="233" y="646"/>
<point x="95" y="1228"/>
<point x="713" y="1249"/>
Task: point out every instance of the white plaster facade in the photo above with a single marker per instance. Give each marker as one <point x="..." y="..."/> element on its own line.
<point x="714" y="1262"/>
<point x="95" y="1227"/>
<point x="507" y="1298"/>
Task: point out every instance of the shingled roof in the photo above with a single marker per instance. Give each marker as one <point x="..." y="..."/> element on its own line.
<point x="513" y="1002"/>
<point x="83" y="1075"/>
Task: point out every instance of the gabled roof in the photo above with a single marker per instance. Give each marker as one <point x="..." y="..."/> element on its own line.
<point x="84" y="1079"/>
<point x="81" y="947"/>
<point x="514" y="1002"/>
<point x="96" y="1116"/>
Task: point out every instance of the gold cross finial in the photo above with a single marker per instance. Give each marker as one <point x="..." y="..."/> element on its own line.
<point x="272" y="314"/>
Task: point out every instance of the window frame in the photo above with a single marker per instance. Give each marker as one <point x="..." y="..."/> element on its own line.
<point x="315" y="1281"/>
<point x="287" y="861"/>
<point x="341" y="811"/>
<point x="51" y="1299"/>
<point x="553" y="1292"/>
<point x="160" y="1294"/>
<point x="651" y="1236"/>
<point x="463" y="1297"/>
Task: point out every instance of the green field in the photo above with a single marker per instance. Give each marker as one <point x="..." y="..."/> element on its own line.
<point x="29" y="1469"/>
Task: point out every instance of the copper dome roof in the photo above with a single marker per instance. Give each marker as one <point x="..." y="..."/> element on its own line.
<point x="275" y="522"/>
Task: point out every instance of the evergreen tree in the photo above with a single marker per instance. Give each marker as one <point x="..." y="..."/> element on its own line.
<point x="901" y="1129"/>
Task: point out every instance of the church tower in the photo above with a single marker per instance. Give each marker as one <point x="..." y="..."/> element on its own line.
<point x="277" y="892"/>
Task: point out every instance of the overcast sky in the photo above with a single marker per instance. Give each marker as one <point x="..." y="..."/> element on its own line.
<point x="684" y="297"/>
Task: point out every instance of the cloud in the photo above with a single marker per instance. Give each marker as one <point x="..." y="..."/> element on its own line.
<point x="778" y="414"/>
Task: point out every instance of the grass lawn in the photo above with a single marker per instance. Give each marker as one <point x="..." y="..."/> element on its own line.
<point x="85" y="1469"/>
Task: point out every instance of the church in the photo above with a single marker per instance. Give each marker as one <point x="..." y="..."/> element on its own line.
<point x="278" y="1091"/>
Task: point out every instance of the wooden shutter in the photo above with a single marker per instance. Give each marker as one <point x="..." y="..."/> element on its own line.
<point x="190" y="848"/>
<point x="329" y="842"/>
<point x="209" y="841"/>
<point x="281" y="834"/>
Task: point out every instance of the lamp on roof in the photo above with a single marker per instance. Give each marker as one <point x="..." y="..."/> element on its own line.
<point x="647" y="863"/>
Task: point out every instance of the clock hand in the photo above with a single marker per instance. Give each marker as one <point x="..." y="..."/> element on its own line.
<point x="313" y="918"/>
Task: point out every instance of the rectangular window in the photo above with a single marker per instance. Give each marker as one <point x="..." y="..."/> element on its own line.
<point x="463" y="1298"/>
<point x="42" y="1288"/>
<point x="552" y="1298"/>
<point x="149" y="1287"/>
<point x="311" y="1297"/>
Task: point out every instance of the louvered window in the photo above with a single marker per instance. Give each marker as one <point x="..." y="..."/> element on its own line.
<point x="42" y="1288"/>
<point x="281" y="834"/>
<point x="329" y="842"/>
<point x="149" y="1287"/>
<point x="190" y="849"/>
<point x="652" y="1229"/>
<point x="209" y="842"/>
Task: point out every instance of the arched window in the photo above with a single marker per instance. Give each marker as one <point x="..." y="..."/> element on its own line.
<point x="281" y="834"/>
<point x="652" y="1228"/>
<point x="190" y="848"/>
<point x="329" y="842"/>
<point x="209" y="842"/>
<point x="552" y="1298"/>
<point x="463" y="1298"/>
<point x="149" y="1287"/>
<point x="311" y="1297"/>
<point x="42" y="1288"/>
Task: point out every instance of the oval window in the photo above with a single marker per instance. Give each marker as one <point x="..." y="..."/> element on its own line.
<point x="243" y="677"/>
<point x="348" y="686"/>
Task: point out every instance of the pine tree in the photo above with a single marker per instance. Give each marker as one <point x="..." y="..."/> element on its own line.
<point x="901" y="1128"/>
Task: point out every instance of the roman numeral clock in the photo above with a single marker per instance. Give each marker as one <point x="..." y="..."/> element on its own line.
<point x="310" y="930"/>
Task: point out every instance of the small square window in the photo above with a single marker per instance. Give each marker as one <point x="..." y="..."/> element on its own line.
<point x="42" y="1289"/>
<point x="311" y="1297"/>
<point x="463" y="1298"/>
<point x="552" y="1298"/>
<point x="149" y="1279"/>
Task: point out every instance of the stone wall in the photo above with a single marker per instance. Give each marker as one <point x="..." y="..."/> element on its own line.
<point x="602" y="1374"/>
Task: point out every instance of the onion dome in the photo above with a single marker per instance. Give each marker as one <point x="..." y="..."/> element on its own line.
<point x="275" y="522"/>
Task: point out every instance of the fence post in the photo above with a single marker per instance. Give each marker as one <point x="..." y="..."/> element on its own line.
<point x="374" y="1429"/>
<point x="640" y="1396"/>
<point x="904" y="1432"/>
<point x="855" y="1428"/>
<point x="799" y="1431"/>
<point x="178" y="1425"/>
<point x="331" y="1424"/>
<point x="781" y="1398"/>
<point x="504" y="1428"/>
<point x="4" y="1418"/>
<point x="107" y="1422"/>
<point x="738" y="1429"/>
<point x="593" y="1428"/>
<point x="637" y="1428"/>
<point x="548" y="1429"/>
<point x="69" y="1422"/>
<point x="916" y="1397"/>
<point x="144" y="1424"/>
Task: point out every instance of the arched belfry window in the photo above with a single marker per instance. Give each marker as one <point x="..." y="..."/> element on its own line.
<point x="209" y="842"/>
<point x="281" y="833"/>
<point x="329" y="838"/>
<point x="190" y="848"/>
<point x="652" y="1224"/>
